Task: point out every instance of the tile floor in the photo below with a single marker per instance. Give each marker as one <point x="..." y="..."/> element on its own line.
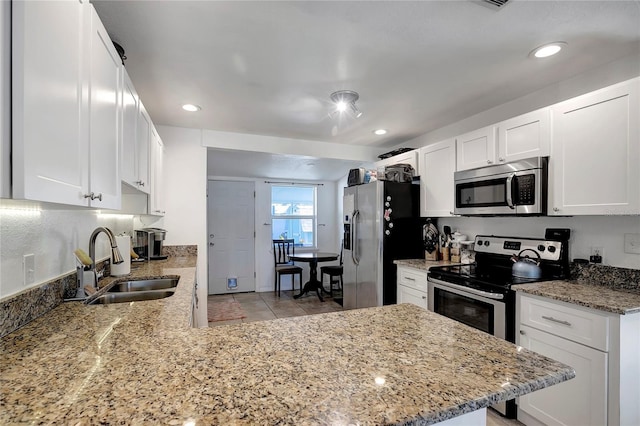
<point x="267" y="305"/>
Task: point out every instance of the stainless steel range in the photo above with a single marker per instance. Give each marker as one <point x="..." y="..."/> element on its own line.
<point x="480" y="295"/>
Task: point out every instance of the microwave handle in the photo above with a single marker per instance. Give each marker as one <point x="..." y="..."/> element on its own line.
<point x="510" y="191"/>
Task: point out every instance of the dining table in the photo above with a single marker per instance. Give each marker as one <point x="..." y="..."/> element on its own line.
<point x="313" y="258"/>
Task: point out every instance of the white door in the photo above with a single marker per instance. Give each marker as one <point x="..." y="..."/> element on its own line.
<point x="437" y="165"/>
<point x="231" y="226"/>
<point x="476" y="149"/>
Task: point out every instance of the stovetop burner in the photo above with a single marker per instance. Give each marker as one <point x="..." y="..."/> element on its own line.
<point x="492" y="270"/>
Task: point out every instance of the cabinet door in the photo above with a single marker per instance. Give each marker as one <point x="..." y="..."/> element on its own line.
<point x="105" y="117"/>
<point x="579" y="401"/>
<point x="50" y="148"/>
<point x="595" y="154"/>
<point x="143" y="143"/>
<point x="410" y="295"/>
<point x="437" y="165"/>
<point x="476" y="149"/>
<point x="525" y="136"/>
<point x="5" y="99"/>
<point x="156" y="206"/>
<point x="129" y="152"/>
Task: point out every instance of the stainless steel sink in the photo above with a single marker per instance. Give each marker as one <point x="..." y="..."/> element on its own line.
<point x="144" y="285"/>
<point x="132" y="296"/>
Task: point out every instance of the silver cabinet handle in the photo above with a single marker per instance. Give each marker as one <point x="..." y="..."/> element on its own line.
<point x="139" y="182"/>
<point x="89" y="195"/>
<point x="99" y="196"/>
<point x="424" y="297"/>
<point x="552" y="319"/>
<point x="489" y="162"/>
<point x="266" y="224"/>
<point x="409" y="279"/>
<point x="555" y="209"/>
<point x="501" y="159"/>
<point x="522" y="332"/>
<point x="211" y="244"/>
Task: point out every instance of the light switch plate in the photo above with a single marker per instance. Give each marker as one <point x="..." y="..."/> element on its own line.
<point x="28" y="269"/>
<point x="632" y="243"/>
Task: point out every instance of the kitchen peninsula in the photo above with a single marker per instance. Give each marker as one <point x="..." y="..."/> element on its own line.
<point x="141" y="362"/>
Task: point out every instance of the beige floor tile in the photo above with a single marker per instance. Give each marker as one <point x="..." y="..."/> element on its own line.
<point x="220" y="298"/>
<point x="228" y="322"/>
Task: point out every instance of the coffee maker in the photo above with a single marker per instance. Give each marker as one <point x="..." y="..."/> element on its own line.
<point x="148" y="242"/>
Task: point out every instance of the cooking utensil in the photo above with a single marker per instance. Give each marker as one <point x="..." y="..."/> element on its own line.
<point x="430" y="237"/>
<point x="526" y="267"/>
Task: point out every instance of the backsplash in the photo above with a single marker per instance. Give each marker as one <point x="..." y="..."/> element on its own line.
<point x="606" y="276"/>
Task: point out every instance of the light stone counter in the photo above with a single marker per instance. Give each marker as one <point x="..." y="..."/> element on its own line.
<point x="423" y="264"/>
<point x="600" y="297"/>
<point x="140" y="363"/>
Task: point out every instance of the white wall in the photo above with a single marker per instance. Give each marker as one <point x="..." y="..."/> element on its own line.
<point x="185" y="189"/>
<point x="326" y="230"/>
<point x="51" y="233"/>
<point x="586" y="232"/>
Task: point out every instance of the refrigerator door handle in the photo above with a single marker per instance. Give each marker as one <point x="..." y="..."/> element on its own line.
<point x="354" y="237"/>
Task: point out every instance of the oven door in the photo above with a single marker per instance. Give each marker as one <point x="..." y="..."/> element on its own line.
<point x="484" y="311"/>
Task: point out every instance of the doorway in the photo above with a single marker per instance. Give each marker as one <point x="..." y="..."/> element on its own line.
<point x="231" y="236"/>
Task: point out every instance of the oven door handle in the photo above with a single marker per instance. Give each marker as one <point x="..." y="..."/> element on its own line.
<point x="494" y="296"/>
<point x="510" y="191"/>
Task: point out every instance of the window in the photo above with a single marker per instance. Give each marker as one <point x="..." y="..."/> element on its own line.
<point x="293" y="214"/>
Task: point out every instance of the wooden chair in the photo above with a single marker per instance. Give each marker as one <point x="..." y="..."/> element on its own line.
<point x="334" y="272"/>
<point x="283" y="266"/>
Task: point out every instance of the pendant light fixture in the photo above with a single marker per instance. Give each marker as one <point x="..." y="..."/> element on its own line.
<point x="345" y="100"/>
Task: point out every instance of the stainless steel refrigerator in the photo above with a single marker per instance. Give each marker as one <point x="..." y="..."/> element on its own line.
<point x="381" y="224"/>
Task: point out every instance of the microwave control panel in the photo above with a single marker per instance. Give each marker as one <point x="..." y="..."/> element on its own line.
<point x="525" y="190"/>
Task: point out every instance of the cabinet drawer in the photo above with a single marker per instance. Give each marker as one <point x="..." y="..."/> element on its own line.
<point x="413" y="278"/>
<point x="410" y="295"/>
<point x="579" y="325"/>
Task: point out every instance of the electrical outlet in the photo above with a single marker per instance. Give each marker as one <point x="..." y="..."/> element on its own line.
<point x="597" y="254"/>
<point x="632" y="243"/>
<point x="28" y="269"/>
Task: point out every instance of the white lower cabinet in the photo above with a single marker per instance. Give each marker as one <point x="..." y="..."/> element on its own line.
<point x="412" y="286"/>
<point x="601" y="347"/>
<point x="580" y="401"/>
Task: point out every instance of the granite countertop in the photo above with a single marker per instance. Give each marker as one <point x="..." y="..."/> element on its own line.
<point x="141" y="362"/>
<point x="600" y="297"/>
<point x="423" y="264"/>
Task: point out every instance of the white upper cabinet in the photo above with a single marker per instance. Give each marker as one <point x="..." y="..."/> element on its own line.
<point x="105" y="83"/>
<point x="129" y="154"/>
<point x="595" y="153"/>
<point x="476" y="149"/>
<point x="135" y="138"/>
<point x="409" y="157"/>
<point x="525" y="136"/>
<point x="5" y="99"/>
<point x="437" y="165"/>
<point x="156" y="198"/>
<point x="520" y="137"/>
<point x="50" y="144"/>
<point x="66" y="81"/>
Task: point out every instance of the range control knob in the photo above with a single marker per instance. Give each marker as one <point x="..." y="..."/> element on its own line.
<point x="388" y="197"/>
<point x="387" y="204"/>
<point x="552" y="249"/>
<point x="479" y="242"/>
<point x="540" y="247"/>
<point x="390" y="224"/>
<point x="486" y="243"/>
<point x="387" y="232"/>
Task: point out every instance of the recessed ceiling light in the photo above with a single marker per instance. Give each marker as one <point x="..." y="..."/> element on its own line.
<point x="191" y="107"/>
<point x="380" y="132"/>
<point x="548" y="49"/>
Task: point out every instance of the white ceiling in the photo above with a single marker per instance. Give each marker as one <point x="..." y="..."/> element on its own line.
<point x="268" y="68"/>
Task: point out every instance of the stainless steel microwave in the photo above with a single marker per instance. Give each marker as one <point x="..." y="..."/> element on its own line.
<point x="518" y="188"/>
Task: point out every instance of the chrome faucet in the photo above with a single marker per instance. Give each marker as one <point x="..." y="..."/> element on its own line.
<point x="116" y="257"/>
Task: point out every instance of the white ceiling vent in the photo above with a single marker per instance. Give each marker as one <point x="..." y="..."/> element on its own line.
<point x="492" y="4"/>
